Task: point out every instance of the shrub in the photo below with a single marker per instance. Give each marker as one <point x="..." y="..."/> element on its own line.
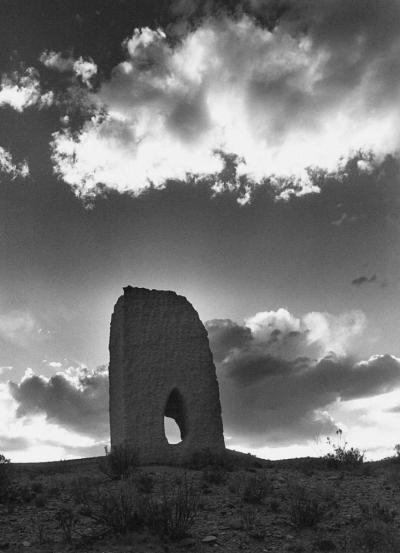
<point x="248" y="517"/>
<point x="117" y="510"/>
<point x="251" y="523"/>
<point x="80" y="488"/>
<point x="66" y="518"/>
<point x="341" y="456"/>
<point x="174" y="512"/>
<point x="119" y="463"/>
<point x="376" y="531"/>
<point x="305" y="508"/>
<point x="256" y="488"/>
<point x="41" y="531"/>
<point x="5" y="478"/>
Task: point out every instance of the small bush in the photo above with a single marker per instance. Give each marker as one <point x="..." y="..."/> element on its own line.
<point x="117" y="510"/>
<point x="119" y="463"/>
<point x="341" y="457"/>
<point x="174" y="512"/>
<point x="373" y="535"/>
<point x="344" y="458"/>
<point x="5" y="478"/>
<point x="80" y="488"/>
<point x="256" y="488"/>
<point x="41" y="531"/>
<point x="66" y="518"/>
<point x="251" y="523"/>
<point x="305" y="508"/>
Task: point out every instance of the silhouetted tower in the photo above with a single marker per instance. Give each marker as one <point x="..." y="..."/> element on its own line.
<point x="161" y="365"/>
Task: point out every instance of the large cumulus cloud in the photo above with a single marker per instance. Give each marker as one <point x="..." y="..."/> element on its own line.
<point x="319" y="82"/>
<point x="279" y="375"/>
<point x="76" y="399"/>
<point x="280" y="378"/>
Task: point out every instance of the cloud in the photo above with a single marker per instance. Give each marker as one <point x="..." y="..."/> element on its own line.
<point x="84" y="69"/>
<point x="359" y="281"/>
<point x="21" y="90"/>
<point x="18" y="327"/>
<point x="9" y="167"/>
<point x="76" y="399"/>
<point x="54" y="364"/>
<point x="225" y="335"/>
<point x="10" y="443"/>
<point x="280" y="379"/>
<point x="300" y="92"/>
<point x="4" y="372"/>
<point x="279" y="374"/>
<point x="395" y="409"/>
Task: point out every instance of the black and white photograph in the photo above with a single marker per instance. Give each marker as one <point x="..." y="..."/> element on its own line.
<point x="200" y="276"/>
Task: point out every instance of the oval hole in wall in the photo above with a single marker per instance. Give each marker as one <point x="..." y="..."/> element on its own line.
<point x="172" y="431"/>
<point x="175" y="426"/>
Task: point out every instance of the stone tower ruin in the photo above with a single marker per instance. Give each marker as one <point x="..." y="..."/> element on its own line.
<point x="161" y="365"/>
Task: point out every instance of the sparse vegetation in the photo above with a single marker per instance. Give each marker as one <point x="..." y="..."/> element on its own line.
<point x="305" y="508"/>
<point x="298" y="509"/>
<point x="206" y="459"/>
<point x="119" y="463"/>
<point x="375" y="532"/>
<point x="67" y="519"/>
<point x="343" y="457"/>
<point x="256" y="488"/>
<point x="214" y="475"/>
<point x="116" y="509"/>
<point x="173" y="512"/>
<point x="5" y="479"/>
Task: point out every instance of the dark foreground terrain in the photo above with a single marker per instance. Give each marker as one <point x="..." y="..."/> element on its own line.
<point x="240" y="503"/>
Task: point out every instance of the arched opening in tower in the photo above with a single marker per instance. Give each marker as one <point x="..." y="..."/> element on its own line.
<point x="174" y="418"/>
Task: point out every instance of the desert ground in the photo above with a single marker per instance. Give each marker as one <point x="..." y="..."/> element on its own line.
<point x="230" y="504"/>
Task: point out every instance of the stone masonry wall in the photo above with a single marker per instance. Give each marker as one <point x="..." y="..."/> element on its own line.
<point x="161" y="364"/>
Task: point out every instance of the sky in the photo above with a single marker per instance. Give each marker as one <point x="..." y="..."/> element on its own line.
<point x="244" y="154"/>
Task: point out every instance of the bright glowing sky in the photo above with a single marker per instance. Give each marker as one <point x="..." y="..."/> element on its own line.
<point x="244" y="154"/>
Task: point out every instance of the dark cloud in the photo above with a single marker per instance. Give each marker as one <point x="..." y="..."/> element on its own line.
<point x="76" y="402"/>
<point x="363" y="280"/>
<point x="395" y="409"/>
<point x="272" y="401"/>
<point x="9" y="443"/>
<point x="225" y="335"/>
<point x="268" y="399"/>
